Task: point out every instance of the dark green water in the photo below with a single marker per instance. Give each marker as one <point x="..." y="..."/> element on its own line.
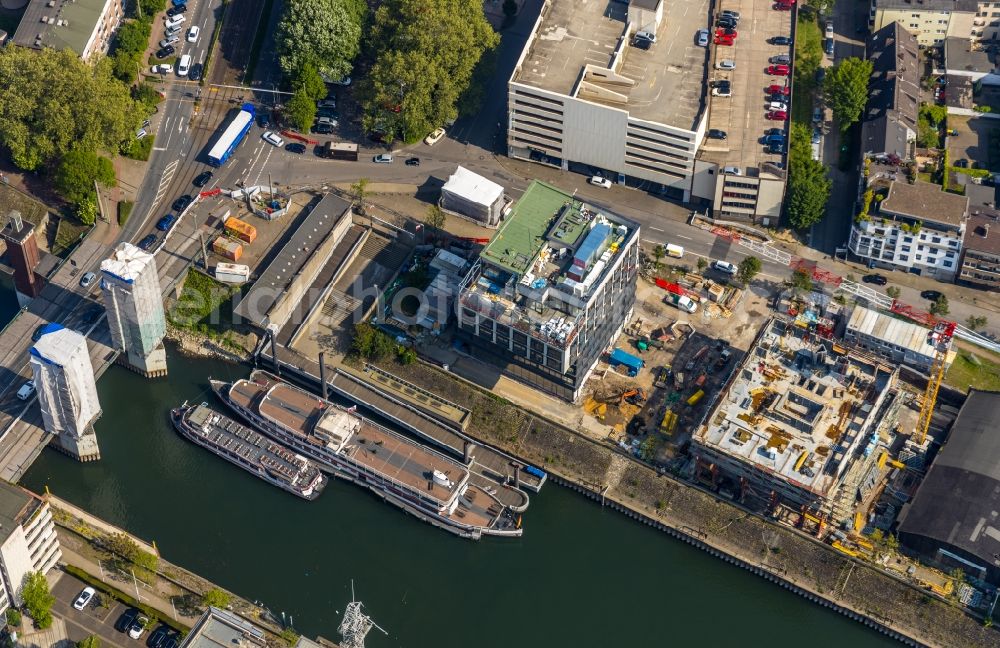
<point x="580" y="576"/>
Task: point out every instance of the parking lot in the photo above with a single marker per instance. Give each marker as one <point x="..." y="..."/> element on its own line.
<point x="742" y="116"/>
<point x="94" y="619"/>
<point x="972" y="141"/>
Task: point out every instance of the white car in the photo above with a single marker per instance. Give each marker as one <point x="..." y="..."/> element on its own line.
<point x="434" y="137"/>
<point x="184" y="65"/>
<point x="702" y="38"/>
<point x="27" y="390"/>
<point x="598" y="181"/>
<point x="725" y="64"/>
<point x="169" y="40"/>
<point x="173" y="29"/>
<point x="382" y="158"/>
<point x="722" y="91"/>
<point x="84" y="598"/>
<point x="177" y="20"/>
<point x="725" y="267"/>
<point x="193" y="33"/>
<point x="162" y="68"/>
<point x="272" y="138"/>
<point x="88" y="279"/>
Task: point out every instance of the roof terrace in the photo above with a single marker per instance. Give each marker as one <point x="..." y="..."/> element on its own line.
<point x="798" y="408"/>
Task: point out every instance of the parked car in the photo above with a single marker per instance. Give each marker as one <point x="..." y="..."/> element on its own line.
<point x="735" y="15"/>
<point x="172" y="29"/>
<point x="646" y="35"/>
<point x="27" y="390"/>
<point x="174" y="20"/>
<point x="382" y="158"/>
<point x="930" y="295"/>
<point x="273" y="139"/>
<point x="723" y="91"/>
<point x="195" y="73"/>
<point x="147" y="242"/>
<point x="169" y="40"/>
<point x="176" y="10"/>
<point x="84" y="597"/>
<point x="725" y="267"/>
<point x="876" y="279"/>
<point x="775" y="149"/>
<point x="783" y="59"/>
<point x="780" y="40"/>
<point x="138" y="626"/>
<point x="164" y="52"/>
<point x="725" y="64"/>
<point x="829" y="47"/>
<point x="777" y="70"/>
<point x="718" y="83"/>
<point x="346" y="81"/>
<point x="193" y="34"/>
<point x="817" y="136"/>
<point x="725" y="31"/>
<point x="774" y="138"/>
<point x="326" y="103"/>
<point x="715" y="133"/>
<point x="600" y="181"/>
<point x="125" y="620"/>
<point x="434" y="137"/>
<point x="322" y="129"/>
<point x="782" y="6"/>
<point x="725" y="21"/>
<point x="295" y="147"/>
<point x="777" y="115"/>
<point x="817" y="115"/>
<point x="158" y="637"/>
<point x="181" y="203"/>
<point x="203" y="179"/>
<point x="829" y="29"/>
<point x="777" y="105"/>
<point x="87" y="280"/>
<point x="702" y="38"/>
<point x="164" y="223"/>
<point x="727" y="41"/>
<point x="642" y="43"/>
<point x="778" y="89"/>
<point x="161" y="68"/>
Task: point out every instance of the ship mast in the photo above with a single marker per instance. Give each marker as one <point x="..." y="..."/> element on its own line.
<point x="356" y="624"/>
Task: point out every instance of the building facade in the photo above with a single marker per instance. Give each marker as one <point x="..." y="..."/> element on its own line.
<point x="931" y="21"/>
<point x="84" y="26"/>
<point x="134" y="304"/>
<point x="916" y="228"/>
<point x="22" y="254"/>
<point x="551" y="291"/>
<point x="896" y="340"/>
<point x="28" y="541"/>
<point x="980" y="266"/>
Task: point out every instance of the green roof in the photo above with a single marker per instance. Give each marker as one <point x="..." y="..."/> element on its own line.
<point x="515" y="246"/>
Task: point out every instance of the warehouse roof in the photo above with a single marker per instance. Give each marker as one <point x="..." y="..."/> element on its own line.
<point x="957" y="502"/>
<point x="473" y="187"/>
<point x="889" y="329"/>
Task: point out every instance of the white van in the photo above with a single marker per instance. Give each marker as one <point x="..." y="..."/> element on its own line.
<point x="675" y="251"/>
<point x="27" y="390"/>
<point x="687" y="304"/>
<point x="184" y="65"/>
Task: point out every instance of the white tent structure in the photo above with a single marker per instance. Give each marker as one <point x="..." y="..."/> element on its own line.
<point x="64" y="379"/>
<point x="472" y="196"/>
<point x="131" y="290"/>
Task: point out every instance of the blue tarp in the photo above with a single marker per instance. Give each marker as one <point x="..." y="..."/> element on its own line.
<point x="619" y="357"/>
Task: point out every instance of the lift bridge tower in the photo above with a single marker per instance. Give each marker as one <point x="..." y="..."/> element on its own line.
<point x="356" y="624"/>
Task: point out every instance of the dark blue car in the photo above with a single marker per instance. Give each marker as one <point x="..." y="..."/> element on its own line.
<point x="146" y="244"/>
<point x="164" y="223"/>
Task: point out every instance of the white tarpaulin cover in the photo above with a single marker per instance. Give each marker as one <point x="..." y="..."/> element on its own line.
<point x="64" y="379"/>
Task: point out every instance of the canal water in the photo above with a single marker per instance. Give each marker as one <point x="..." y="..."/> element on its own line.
<point x="580" y="576"/>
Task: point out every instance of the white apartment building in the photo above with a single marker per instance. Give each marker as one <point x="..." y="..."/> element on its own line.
<point x="932" y="21"/>
<point x="917" y="228"/>
<point x="84" y="26"/>
<point x="584" y="96"/>
<point x="28" y="541"/>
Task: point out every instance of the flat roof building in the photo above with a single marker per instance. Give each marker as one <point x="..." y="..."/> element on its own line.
<point x="134" y="304"/>
<point x="217" y="628"/>
<point x="28" y="541"/>
<point x="474" y="197"/>
<point x="981" y="250"/>
<point x="552" y="290"/>
<point x="586" y="93"/>
<point x="894" y="339"/>
<point x="931" y="21"/>
<point x="84" y="26"/>
<point x="952" y="520"/>
<point x="795" y="416"/>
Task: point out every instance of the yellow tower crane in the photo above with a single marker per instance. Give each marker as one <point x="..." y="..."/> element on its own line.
<point x="940" y="338"/>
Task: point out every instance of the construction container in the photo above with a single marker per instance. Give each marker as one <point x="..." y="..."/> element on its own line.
<point x="227" y="248"/>
<point x="232" y="273"/>
<point x="696" y="397"/>
<point x="241" y="230"/>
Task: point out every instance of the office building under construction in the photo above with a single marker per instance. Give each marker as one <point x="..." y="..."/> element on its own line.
<point x="798" y="422"/>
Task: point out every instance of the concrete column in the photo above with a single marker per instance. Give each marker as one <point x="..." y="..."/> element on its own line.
<point x="274" y="355"/>
<point x="322" y="375"/>
<point x="467" y="454"/>
<point x="517" y="476"/>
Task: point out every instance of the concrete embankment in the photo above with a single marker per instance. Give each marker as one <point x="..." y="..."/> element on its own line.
<point x="779" y="554"/>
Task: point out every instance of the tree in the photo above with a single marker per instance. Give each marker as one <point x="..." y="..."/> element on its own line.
<point x="658" y="253"/>
<point x="216" y="598"/>
<point x="323" y="33"/>
<point x="927" y="134"/>
<point x="359" y="191"/>
<point x="86" y="210"/>
<point x="748" y="269"/>
<point x="802" y="281"/>
<point x="308" y="80"/>
<point x="77" y="172"/>
<point x="702" y="264"/>
<point x="425" y="54"/>
<point x="893" y="292"/>
<point x="808" y="184"/>
<point x="846" y="90"/>
<point x="13" y="618"/>
<point x="435" y="217"/>
<point x="93" y="641"/>
<point x="301" y="110"/>
<point x="940" y="306"/>
<point x="934" y="114"/>
<point x="976" y="321"/>
<point x="54" y="101"/>
<point x="37" y="599"/>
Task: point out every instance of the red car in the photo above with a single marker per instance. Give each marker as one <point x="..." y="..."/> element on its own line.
<point x="777" y="115"/>
<point x="777" y="89"/>
<point x="777" y="70"/>
<point x="781" y="6"/>
<point x="725" y="40"/>
<point x="727" y="32"/>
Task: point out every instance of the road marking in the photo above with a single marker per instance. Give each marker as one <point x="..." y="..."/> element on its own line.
<point x="159" y="148"/>
<point x="686" y="238"/>
<point x="655" y="229"/>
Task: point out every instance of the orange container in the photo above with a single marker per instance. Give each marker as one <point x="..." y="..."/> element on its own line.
<point x="227" y="248"/>
<point x="241" y="230"/>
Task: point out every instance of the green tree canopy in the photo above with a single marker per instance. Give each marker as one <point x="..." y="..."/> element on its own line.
<point x="215" y="597"/>
<point x="425" y="55"/>
<point x="435" y="217"/>
<point x="748" y="269"/>
<point x="846" y="90"/>
<point x="53" y="101"/>
<point x="37" y="599"/>
<point x="940" y="306"/>
<point x="77" y="172"/>
<point x="308" y="80"/>
<point x="808" y="184"/>
<point x="93" y="641"/>
<point x="301" y="110"/>
<point x="801" y="280"/>
<point x="324" y="33"/>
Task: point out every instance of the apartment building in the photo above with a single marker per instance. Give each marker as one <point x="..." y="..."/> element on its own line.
<point x="889" y="123"/>
<point x="28" y="541"/>
<point x="980" y="267"/>
<point x="896" y="340"/>
<point x="917" y="228"/>
<point x="932" y="21"/>
<point x="551" y="291"/>
<point x="586" y="96"/>
<point x="84" y="26"/>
